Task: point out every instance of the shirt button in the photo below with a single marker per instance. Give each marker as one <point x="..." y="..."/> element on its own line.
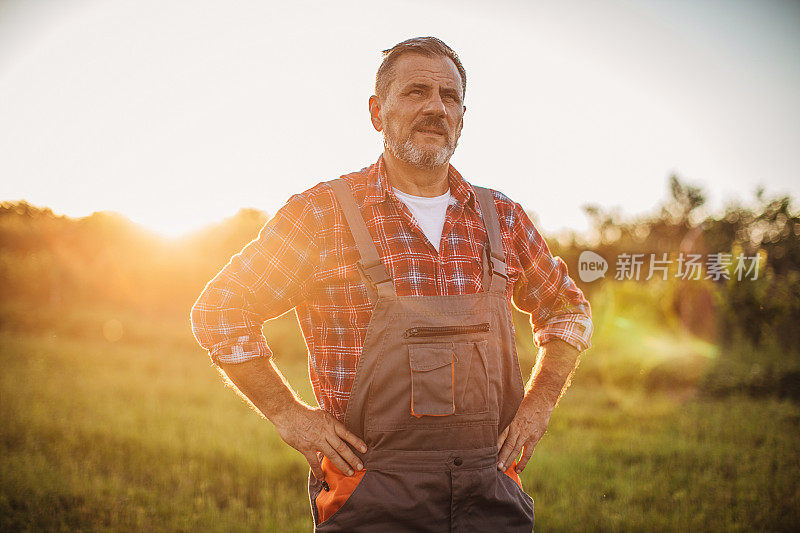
<point x="458" y="461"/>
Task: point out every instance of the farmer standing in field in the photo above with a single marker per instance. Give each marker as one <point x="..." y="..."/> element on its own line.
<point x="402" y="276"/>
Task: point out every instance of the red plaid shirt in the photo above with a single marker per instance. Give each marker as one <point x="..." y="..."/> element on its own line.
<point x="305" y="258"/>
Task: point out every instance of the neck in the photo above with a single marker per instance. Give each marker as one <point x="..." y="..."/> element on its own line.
<point x="414" y="180"/>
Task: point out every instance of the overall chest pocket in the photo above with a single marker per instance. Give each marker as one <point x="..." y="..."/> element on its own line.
<point x="432" y="379"/>
<point x="449" y="378"/>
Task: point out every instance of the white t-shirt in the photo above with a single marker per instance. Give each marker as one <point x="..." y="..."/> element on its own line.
<point x="429" y="212"/>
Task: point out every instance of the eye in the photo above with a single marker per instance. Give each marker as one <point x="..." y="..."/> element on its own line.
<point x="450" y="97"/>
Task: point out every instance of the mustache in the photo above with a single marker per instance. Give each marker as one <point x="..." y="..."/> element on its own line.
<point x="432" y="123"/>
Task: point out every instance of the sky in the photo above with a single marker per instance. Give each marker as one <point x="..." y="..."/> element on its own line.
<point x="179" y="113"/>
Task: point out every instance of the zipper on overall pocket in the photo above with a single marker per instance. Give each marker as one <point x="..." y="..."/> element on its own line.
<point x="440" y="331"/>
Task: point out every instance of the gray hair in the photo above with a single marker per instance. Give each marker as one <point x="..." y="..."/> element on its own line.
<point x="427" y="46"/>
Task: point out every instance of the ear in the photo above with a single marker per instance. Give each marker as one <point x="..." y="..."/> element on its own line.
<point x="375" y="113"/>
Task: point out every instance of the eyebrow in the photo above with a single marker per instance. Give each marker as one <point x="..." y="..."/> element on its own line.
<point x="447" y="91"/>
<point x="451" y="92"/>
<point x="417" y="85"/>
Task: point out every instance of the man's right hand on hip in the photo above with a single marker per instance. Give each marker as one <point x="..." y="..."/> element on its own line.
<point x="310" y="430"/>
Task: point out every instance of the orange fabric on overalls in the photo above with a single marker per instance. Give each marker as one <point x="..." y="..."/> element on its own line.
<point x="340" y="487"/>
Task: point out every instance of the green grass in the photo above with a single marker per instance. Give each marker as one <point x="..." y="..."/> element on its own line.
<point x="141" y="433"/>
<point x="636" y="462"/>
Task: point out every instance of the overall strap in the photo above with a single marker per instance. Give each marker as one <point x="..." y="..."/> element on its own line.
<point x="372" y="270"/>
<point x="497" y="257"/>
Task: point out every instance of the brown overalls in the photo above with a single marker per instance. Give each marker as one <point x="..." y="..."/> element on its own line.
<point x="437" y="381"/>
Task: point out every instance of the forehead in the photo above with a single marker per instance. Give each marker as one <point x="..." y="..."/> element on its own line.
<point x="417" y="68"/>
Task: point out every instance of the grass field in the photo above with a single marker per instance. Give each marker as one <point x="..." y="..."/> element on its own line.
<point x="118" y="421"/>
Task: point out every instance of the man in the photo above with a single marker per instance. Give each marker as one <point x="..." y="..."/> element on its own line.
<point x="402" y="275"/>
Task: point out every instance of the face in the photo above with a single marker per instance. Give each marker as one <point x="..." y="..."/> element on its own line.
<point x="421" y="115"/>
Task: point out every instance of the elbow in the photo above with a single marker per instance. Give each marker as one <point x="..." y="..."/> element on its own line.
<point x="195" y="320"/>
<point x="199" y="316"/>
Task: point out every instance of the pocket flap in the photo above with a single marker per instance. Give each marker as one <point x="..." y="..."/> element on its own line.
<point x="424" y="357"/>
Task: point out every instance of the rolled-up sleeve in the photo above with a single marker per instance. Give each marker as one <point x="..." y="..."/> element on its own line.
<point x="544" y="289"/>
<point x="264" y="280"/>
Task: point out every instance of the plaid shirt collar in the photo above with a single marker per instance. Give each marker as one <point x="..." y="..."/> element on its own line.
<point x="379" y="190"/>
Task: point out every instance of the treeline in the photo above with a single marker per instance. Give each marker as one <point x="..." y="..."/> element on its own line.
<point x="105" y="258"/>
<point x="761" y="304"/>
<point x="47" y="258"/>
<point x="55" y="262"/>
<point x="752" y="315"/>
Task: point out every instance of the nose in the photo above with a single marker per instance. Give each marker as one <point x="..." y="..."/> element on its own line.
<point x="435" y="106"/>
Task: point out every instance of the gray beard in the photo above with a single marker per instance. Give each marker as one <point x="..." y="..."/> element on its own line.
<point x="414" y="155"/>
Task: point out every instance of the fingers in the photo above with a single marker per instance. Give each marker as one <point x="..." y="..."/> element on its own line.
<point x="509" y="446"/>
<point x="514" y="455"/>
<point x="336" y="459"/>
<point x="526" y="455"/>
<point x="350" y="437"/>
<point x="316" y="467"/>
<point x="343" y="452"/>
<point x="502" y="438"/>
<point x="317" y="434"/>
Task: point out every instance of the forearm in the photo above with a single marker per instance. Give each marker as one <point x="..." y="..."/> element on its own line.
<point x="260" y="382"/>
<point x="307" y="429"/>
<point x="550" y="377"/>
<point x="552" y="373"/>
